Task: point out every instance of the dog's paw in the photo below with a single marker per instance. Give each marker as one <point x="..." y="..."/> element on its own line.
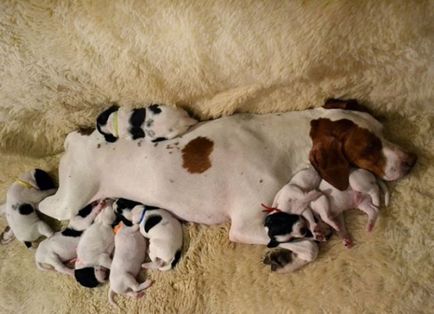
<point x="277" y="259"/>
<point x="7" y="236"/>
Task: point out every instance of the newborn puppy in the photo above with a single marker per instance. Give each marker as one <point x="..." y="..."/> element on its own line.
<point x="363" y="193"/>
<point x="61" y="248"/>
<point x="296" y="196"/>
<point x="130" y="252"/>
<point x="22" y="200"/>
<point x="155" y="122"/>
<point x="164" y="232"/>
<point x="95" y="248"/>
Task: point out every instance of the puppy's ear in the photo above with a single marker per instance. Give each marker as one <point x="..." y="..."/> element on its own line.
<point x="43" y="180"/>
<point x="328" y="159"/>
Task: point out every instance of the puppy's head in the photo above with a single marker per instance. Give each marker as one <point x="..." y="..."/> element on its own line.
<point x="124" y="210"/>
<point x="283" y="227"/>
<point x="104" y="124"/>
<point x="91" y="276"/>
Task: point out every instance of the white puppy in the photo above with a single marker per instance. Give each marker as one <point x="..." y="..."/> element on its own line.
<point x="59" y="249"/>
<point x="130" y="252"/>
<point x="164" y="232"/>
<point x="22" y="200"/>
<point x="155" y="122"/>
<point x="95" y="248"/>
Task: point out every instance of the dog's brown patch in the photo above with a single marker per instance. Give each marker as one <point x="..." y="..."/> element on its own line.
<point x="196" y="153"/>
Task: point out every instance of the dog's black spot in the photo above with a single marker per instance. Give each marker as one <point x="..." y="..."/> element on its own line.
<point x="138" y="117"/>
<point x="85" y="211"/>
<point x="278" y="258"/>
<point x="102" y="120"/>
<point x="28" y="244"/>
<point x="177" y="258"/>
<point x="155" y="109"/>
<point x="83" y="130"/>
<point x="25" y="209"/>
<point x="137" y="132"/>
<point x="280" y="223"/>
<point x="70" y="232"/>
<point x="149" y="123"/>
<point x="98" y="146"/>
<point x="43" y="180"/>
<point x="86" y="277"/>
<point x="149" y="207"/>
<point x="159" y="139"/>
<point x="121" y="218"/>
<point x="152" y="221"/>
<point x="117" y="220"/>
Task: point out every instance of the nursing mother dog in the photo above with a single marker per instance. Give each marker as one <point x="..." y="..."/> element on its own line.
<point x="222" y="170"/>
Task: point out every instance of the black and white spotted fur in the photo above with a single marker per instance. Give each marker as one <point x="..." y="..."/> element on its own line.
<point x="59" y="249"/>
<point x="154" y="123"/>
<point x="22" y="200"/>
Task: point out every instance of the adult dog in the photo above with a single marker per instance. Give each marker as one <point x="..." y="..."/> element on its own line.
<point x="224" y="169"/>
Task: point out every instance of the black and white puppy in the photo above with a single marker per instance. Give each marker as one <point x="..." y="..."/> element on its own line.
<point x="130" y="252"/>
<point x="162" y="229"/>
<point x="22" y="200"/>
<point x="95" y="248"/>
<point x="61" y="248"/>
<point x="282" y="227"/>
<point x="155" y="122"/>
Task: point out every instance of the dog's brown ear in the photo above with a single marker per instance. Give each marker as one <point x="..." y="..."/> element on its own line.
<point x="327" y="157"/>
<point x="346" y="104"/>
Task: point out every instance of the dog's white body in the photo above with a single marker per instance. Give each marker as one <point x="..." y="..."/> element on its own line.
<point x="165" y="239"/>
<point x="60" y="247"/>
<point x="97" y="242"/>
<point x="130" y="252"/>
<point x="243" y="160"/>
<point x="28" y="227"/>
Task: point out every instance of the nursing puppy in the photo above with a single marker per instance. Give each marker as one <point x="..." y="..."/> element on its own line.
<point x="95" y="248"/>
<point x="159" y="226"/>
<point x="22" y="200"/>
<point x="363" y="193"/>
<point x="130" y="252"/>
<point x="59" y="249"/>
<point x="155" y="122"/>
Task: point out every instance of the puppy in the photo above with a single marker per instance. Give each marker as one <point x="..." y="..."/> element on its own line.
<point x="22" y="200"/>
<point x="155" y="122"/>
<point x="130" y="252"/>
<point x="95" y="248"/>
<point x="364" y="192"/>
<point x="59" y="249"/>
<point x="159" y="226"/>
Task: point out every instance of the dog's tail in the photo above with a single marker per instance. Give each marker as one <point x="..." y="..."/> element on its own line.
<point x="111" y="295"/>
<point x="385" y="192"/>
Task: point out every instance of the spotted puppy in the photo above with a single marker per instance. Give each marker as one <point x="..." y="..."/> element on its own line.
<point x="95" y="248"/>
<point x="155" y="122"/>
<point x="22" y="200"/>
<point x="162" y="229"/>
<point x="61" y="248"/>
<point x="130" y="252"/>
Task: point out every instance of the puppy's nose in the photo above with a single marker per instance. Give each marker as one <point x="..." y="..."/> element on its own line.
<point x="410" y="161"/>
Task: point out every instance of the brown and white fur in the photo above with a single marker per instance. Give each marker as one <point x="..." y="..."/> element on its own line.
<point x="222" y="170"/>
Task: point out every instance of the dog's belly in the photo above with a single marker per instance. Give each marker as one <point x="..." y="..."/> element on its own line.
<point x="223" y="166"/>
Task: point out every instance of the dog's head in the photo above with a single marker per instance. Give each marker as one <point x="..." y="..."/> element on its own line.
<point x="283" y="227"/>
<point x="91" y="276"/>
<point x="125" y="209"/>
<point x="341" y="144"/>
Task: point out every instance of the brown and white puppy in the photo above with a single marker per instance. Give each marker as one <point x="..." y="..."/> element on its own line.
<point x="222" y="170"/>
<point x="94" y="250"/>
<point x="130" y="252"/>
<point x="60" y="249"/>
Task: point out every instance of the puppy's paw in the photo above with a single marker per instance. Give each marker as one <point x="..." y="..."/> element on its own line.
<point x="277" y="259"/>
<point x="348" y="242"/>
<point x="7" y="236"/>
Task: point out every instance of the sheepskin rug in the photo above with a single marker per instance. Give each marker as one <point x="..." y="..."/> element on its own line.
<point x="62" y="63"/>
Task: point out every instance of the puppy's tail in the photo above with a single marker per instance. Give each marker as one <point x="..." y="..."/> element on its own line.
<point x="111" y="295"/>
